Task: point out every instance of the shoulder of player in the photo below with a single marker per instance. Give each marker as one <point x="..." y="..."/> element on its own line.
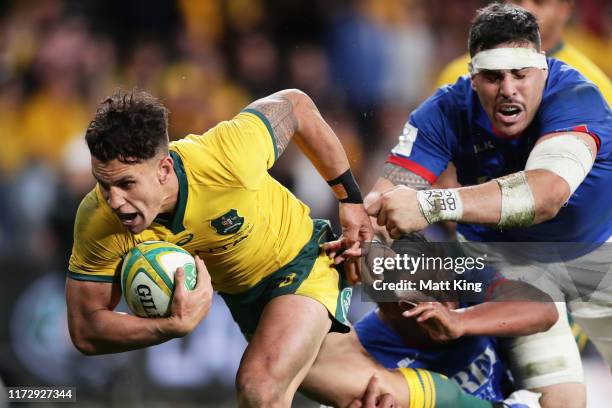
<point x="565" y="80"/>
<point x="446" y="102"/>
<point x="94" y="214"/>
<point x="247" y="120"/>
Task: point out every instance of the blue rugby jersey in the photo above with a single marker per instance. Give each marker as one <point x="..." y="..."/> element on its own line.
<point x="472" y="361"/>
<point x="452" y="126"/>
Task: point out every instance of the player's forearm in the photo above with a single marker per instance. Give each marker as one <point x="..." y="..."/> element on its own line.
<point x="317" y="140"/>
<point x="105" y="331"/>
<point x="508" y="318"/>
<point x="482" y="204"/>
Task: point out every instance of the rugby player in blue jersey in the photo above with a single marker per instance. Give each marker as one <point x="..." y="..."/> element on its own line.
<point x="403" y="333"/>
<point x="531" y="138"/>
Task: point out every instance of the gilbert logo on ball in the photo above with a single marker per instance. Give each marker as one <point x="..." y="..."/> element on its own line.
<point x="147" y="276"/>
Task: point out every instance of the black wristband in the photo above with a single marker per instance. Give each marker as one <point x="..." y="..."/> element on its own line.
<point x="345" y="186"/>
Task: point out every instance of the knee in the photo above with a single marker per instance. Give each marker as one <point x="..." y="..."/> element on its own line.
<point x="256" y="388"/>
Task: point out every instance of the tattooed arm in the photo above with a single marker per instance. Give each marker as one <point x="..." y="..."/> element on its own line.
<point x="293" y="115"/>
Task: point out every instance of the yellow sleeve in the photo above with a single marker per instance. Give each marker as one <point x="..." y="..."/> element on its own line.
<point x="574" y="58"/>
<point x="96" y="251"/>
<point x="453" y="71"/>
<point x="240" y="150"/>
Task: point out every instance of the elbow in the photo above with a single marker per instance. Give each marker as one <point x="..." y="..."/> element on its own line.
<point x="82" y="341"/>
<point x="296" y="96"/>
<point x="548" y="317"/>
<point x="302" y="104"/>
<point x="546" y="212"/>
<point x="548" y="207"/>
<point x="84" y="346"/>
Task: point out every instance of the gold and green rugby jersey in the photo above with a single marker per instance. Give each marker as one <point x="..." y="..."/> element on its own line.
<point x="230" y="211"/>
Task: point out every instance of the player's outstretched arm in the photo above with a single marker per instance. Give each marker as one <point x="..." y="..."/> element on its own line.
<point x="293" y="115"/>
<point x="557" y="165"/>
<point x="95" y="328"/>
<point x="503" y="318"/>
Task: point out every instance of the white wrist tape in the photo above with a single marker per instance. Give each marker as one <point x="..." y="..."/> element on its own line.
<point x="440" y="205"/>
<point x="506" y="58"/>
<point x="567" y="156"/>
<point x="517" y="206"/>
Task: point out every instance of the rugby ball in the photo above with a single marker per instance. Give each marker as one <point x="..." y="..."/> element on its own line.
<point x="147" y="276"/>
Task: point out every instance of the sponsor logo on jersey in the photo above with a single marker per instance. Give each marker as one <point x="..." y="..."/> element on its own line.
<point x="184" y="240"/>
<point x="288" y="280"/>
<point x="228" y="223"/>
<point x="484" y="146"/>
<point x="406" y="141"/>
<point x="345" y="303"/>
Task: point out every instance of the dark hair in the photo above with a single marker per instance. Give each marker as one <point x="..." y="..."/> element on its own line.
<point x="128" y="126"/>
<point x="500" y="23"/>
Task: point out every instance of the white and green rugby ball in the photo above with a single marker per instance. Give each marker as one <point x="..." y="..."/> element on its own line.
<point x="147" y="276"/>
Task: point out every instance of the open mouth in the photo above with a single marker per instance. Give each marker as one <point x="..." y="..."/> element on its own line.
<point x="127" y="218"/>
<point x="508" y="113"/>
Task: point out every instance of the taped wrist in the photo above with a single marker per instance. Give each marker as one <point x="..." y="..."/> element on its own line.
<point x="517" y="204"/>
<point x="346" y="189"/>
<point x="440" y="205"/>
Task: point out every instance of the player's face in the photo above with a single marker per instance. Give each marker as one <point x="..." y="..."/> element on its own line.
<point x="134" y="191"/>
<point x="510" y="98"/>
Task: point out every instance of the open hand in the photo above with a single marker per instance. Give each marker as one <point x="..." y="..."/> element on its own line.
<point x="439" y="322"/>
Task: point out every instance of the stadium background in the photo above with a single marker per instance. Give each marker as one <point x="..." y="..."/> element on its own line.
<point x="365" y="63"/>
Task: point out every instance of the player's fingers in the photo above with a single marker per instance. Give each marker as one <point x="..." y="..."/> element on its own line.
<point x="351" y="236"/>
<point x="417" y="310"/>
<point x="386" y="401"/>
<point x="394" y="232"/>
<point x="331" y="248"/>
<point x="354" y="251"/>
<point x="373" y="207"/>
<point x="203" y="275"/>
<point x="429" y="314"/>
<point x="369" y="397"/>
<point x="370" y="199"/>
<point x="179" y="283"/>
<point x="366" y="232"/>
<point x="355" y="404"/>
<point x="381" y="217"/>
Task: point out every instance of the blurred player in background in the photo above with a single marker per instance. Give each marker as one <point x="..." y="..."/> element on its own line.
<point x="531" y="136"/>
<point x="212" y="194"/>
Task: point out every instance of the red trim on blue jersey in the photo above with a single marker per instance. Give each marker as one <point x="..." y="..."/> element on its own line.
<point x="491" y="289"/>
<point x="413" y="167"/>
<point x="585" y="129"/>
<point x="582" y="129"/>
<point x="497" y="133"/>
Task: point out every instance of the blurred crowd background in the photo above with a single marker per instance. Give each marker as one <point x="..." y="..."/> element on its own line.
<point x="365" y="63"/>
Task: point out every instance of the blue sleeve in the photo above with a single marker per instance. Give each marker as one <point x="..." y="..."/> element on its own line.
<point x="579" y="107"/>
<point x="425" y="144"/>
